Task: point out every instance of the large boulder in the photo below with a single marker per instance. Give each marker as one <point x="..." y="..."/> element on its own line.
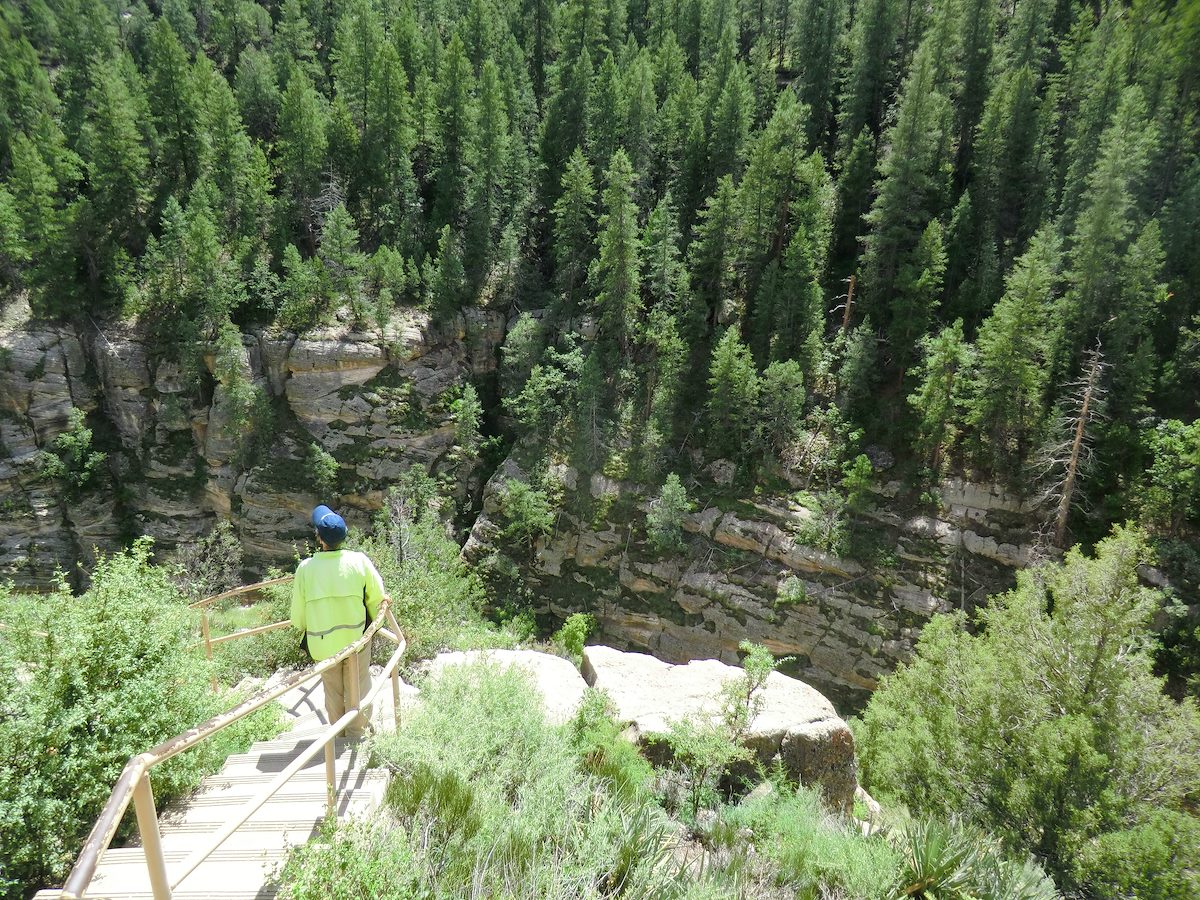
<point x="796" y="726"/>
<point x="556" y="679"/>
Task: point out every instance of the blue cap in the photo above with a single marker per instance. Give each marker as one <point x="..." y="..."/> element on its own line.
<point x="330" y="526"/>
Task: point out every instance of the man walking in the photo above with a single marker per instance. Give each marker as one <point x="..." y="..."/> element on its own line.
<point x="335" y="595"/>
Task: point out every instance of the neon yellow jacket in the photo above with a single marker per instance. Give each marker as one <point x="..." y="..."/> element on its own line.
<point x="329" y="594"/>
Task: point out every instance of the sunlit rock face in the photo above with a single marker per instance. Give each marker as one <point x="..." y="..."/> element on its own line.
<point x="179" y="457"/>
<point x="794" y="726"/>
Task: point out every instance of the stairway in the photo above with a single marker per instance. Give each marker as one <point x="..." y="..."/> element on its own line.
<point x="245" y="865"/>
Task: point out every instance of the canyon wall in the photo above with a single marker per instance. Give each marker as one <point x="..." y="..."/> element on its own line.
<point x="377" y="402"/>
<point x="845" y="622"/>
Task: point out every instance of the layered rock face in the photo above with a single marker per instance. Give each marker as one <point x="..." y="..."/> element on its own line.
<point x="377" y="402"/>
<point x="746" y="573"/>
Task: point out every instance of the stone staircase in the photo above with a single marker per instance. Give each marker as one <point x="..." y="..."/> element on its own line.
<point x="245" y="865"/>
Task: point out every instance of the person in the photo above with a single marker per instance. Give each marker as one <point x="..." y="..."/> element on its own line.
<point x="335" y="595"/>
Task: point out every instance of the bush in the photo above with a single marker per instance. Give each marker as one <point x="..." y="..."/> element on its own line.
<point x="1047" y="727"/>
<point x="664" y="521"/>
<point x="323" y="469"/>
<point x="120" y="672"/>
<point x="526" y="511"/>
<point x="489" y="800"/>
<point x="1158" y="859"/>
<point x="71" y="459"/>
<point x="813" y="853"/>
<point x="438" y="600"/>
<point x="573" y="633"/>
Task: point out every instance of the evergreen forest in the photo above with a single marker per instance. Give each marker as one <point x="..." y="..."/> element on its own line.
<point x="961" y="234"/>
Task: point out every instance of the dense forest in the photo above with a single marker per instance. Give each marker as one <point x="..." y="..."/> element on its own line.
<point x="960" y="235"/>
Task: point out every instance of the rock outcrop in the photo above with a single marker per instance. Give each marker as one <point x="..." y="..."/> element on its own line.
<point x="556" y="679"/>
<point x="796" y="726"/>
<point x="377" y="402"/>
<point x="751" y="571"/>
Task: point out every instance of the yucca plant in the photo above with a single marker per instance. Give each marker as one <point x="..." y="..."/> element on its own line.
<point x="938" y="861"/>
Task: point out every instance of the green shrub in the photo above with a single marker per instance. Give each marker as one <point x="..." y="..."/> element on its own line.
<point x="1158" y="859"/>
<point x="489" y="800"/>
<point x="526" y="512"/>
<point x="322" y="468"/>
<point x="813" y="853"/>
<point x="603" y="750"/>
<point x="263" y="654"/>
<point x="573" y="633"/>
<point x="1046" y="726"/>
<point x="358" y="859"/>
<point x="438" y="600"/>
<point x="71" y="459"/>
<point x="120" y="672"/>
<point x="664" y="521"/>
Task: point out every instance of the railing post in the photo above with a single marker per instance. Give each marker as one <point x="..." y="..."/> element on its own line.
<point x="330" y="781"/>
<point x="147" y="819"/>
<point x="396" y="697"/>
<point x="207" y="642"/>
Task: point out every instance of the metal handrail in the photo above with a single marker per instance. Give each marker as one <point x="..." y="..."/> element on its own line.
<point x="134" y="781"/>
<point x="206" y="635"/>
<point x="244" y="589"/>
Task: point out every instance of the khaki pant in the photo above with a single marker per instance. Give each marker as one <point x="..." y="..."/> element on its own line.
<point x="338" y="683"/>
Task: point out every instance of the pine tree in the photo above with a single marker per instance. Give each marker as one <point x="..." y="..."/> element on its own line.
<point x="799" y="309"/>
<point x="574" y="232"/>
<point x="715" y="251"/>
<point x="566" y="120"/>
<point x="489" y="185"/>
<point x="666" y="282"/>
<point x="918" y="293"/>
<point x="914" y="181"/>
<point x="731" y="118"/>
<point x="14" y="252"/>
<point x="1015" y="350"/>
<point x="814" y="51"/>
<point x="340" y="253"/>
<point x="301" y="150"/>
<point x="449" y="277"/>
<point x="293" y="44"/>
<point x="781" y="406"/>
<point x="614" y="277"/>
<point x="228" y="147"/>
<point x="946" y="360"/>
<point x="175" y="107"/>
<point x="391" y="189"/>
<point x="606" y="114"/>
<point x="257" y="91"/>
<point x="732" y="396"/>
<point x="34" y="193"/>
<point x="117" y="161"/>
<point x="355" y="58"/>
<point x="871" y="45"/>
<point x="641" y="110"/>
<point x="456" y="135"/>
<point x="854" y="197"/>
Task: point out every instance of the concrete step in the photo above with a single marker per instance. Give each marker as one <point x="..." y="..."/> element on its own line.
<point x="124" y="871"/>
<point x="287" y="807"/>
<point x="265" y="834"/>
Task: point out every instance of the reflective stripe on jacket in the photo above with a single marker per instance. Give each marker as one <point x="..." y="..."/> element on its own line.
<point x="334" y="593"/>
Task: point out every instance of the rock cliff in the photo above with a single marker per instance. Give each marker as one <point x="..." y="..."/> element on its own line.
<point x="746" y="573"/>
<point x="376" y="402"/>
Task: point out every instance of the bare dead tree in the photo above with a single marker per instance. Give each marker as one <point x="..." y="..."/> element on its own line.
<point x="1066" y="460"/>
